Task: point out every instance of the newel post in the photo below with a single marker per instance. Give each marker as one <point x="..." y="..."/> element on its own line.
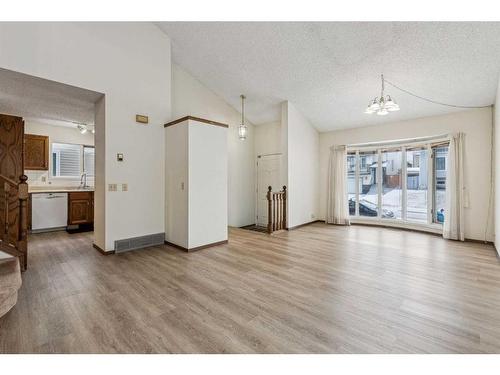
<point x="23" y="221"/>
<point x="284" y="207"/>
<point x="269" y="210"/>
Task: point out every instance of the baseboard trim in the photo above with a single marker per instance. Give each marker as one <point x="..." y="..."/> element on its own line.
<point x="480" y="241"/>
<point x="196" y="248"/>
<point x="303" y="225"/>
<point x="102" y="251"/>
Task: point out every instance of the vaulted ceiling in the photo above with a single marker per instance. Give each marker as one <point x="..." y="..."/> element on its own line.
<point x="331" y="70"/>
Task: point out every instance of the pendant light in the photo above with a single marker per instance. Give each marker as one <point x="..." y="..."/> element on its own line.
<point x="382" y="105"/>
<point x="242" y="129"/>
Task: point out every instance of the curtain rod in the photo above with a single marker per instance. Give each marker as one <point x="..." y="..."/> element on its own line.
<point x="400" y="141"/>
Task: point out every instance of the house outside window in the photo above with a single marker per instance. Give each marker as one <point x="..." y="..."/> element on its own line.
<point x="395" y="184"/>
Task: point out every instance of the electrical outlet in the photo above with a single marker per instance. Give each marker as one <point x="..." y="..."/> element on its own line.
<point x="44" y="178"/>
<point x="124" y="187"/>
<point x="182" y="185"/>
<point x="112" y="187"/>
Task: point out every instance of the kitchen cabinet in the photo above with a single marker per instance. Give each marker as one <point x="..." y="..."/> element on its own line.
<point x="80" y="207"/>
<point x="36" y="152"/>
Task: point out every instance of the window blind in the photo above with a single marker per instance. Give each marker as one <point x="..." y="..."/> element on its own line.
<point x="66" y="160"/>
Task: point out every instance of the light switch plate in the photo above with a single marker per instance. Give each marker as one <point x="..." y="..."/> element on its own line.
<point x="124" y="187"/>
<point x="112" y="187"/>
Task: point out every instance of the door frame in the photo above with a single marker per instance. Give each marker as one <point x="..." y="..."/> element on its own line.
<point x="256" y="213"/>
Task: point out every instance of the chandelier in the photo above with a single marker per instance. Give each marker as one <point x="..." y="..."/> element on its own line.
<point x="242" y="129"/>
<point x="382" y="105"/>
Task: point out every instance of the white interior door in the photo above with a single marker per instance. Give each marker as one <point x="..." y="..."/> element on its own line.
<point x="268" y="174"/>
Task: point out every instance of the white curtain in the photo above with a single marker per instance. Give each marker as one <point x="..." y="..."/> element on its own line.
<point x="453" y="227"/>
<point x="337" y="211"/>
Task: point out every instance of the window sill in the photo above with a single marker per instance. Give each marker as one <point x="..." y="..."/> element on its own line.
<point x="431" y="228"/>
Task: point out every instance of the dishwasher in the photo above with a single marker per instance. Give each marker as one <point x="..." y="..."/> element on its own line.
<point x="49" y="211"/>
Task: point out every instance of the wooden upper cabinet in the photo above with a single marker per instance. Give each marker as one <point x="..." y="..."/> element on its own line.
<point x="36" y="152"/>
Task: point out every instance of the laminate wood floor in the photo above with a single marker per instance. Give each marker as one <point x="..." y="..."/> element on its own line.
<point x="317" y="289"/>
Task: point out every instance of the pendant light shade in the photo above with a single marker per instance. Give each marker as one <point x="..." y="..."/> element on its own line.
<point x="382" y="105"/>
<point x="242" y="129"/>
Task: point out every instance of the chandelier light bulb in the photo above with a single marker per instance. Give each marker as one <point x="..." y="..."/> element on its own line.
<point x="382" y="105"/>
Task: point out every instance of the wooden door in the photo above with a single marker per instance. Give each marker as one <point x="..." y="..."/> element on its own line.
<point x="268" y="174"/>
<point x="36" y="152"/>
<point x="11" y="147"/>
<point x="11" y="167"/>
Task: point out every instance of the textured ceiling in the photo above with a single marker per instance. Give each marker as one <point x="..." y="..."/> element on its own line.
<point x="331" y="70"/>
<point x="33" y="97"/>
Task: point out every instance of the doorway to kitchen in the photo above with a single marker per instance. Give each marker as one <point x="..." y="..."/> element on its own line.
<point x="59" y="126"/>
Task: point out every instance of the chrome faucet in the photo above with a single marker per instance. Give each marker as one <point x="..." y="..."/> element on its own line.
<point x="83" y="181"/>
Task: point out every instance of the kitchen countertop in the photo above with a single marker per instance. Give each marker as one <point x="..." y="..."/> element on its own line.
<point x="56" y="189"/>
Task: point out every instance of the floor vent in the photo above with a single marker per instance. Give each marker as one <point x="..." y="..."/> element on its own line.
<point x="139" y="242"/>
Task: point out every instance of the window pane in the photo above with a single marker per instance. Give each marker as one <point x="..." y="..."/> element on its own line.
<point x="392" y="191"/>
<point x="368" y="194"/>
<point x="66" y="160"/>
<point x="416" y="184"/>
<point x="88" y="161"/>
<point x="351" y="183"/>
<point x="440" y="156"/>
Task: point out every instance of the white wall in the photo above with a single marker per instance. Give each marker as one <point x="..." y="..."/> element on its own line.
<point x="191" y="97"/>
<point x="57" y="134"/>
<point x="177" y="182"/>
<point x="207" y="184"/>
<point x="131" y="64"/>
<point x="476" y="124"/>
<point x="496" y="165"/>
<point x="302" y="166"/>
<point x="196" y="187"/>
<point x="267" y="138"/>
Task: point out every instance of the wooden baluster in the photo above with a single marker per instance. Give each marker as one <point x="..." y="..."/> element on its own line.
<point x="22" y="243"/>
<point x="275" y="212"/>
<point x="6" y="190"/>
<point x="284" y="207"/>
<point x="269" y="210"/>
<point x="280" y="211"/>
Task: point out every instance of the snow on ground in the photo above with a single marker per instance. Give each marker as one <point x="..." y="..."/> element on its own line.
<point x="416" y="202"/>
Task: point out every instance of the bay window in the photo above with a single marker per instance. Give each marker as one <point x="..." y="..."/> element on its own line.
<point x="405" y="183"/>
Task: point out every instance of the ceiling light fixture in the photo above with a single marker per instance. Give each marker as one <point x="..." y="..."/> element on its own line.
<point x="382" y="105"/>
<point x="242" y="129"/>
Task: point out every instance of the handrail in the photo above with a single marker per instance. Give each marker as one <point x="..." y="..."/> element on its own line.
<point x="10" y="181"/>
<point x="276" y="210"/>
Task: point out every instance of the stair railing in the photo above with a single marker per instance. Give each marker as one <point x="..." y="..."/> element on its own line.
<point x="276" y="210"/>
<point x="14" y="218"/>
